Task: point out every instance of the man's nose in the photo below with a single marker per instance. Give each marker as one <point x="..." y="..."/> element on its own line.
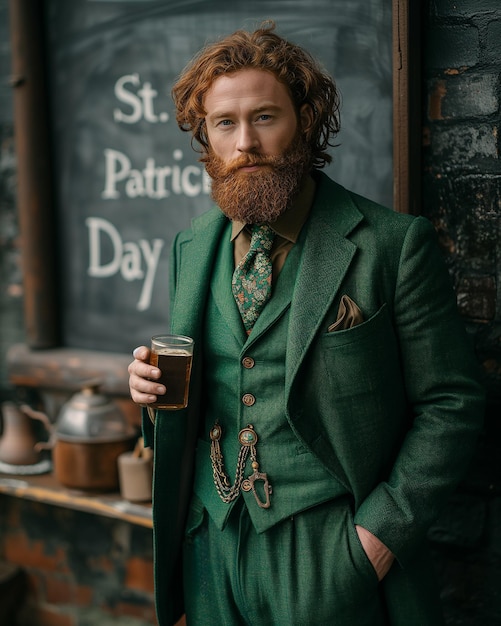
<point x="248" y="139"/>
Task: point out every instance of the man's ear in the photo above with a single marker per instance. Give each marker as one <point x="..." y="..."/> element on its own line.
<point x="306" y="118"/>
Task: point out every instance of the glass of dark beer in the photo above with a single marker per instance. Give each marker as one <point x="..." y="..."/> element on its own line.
<point x="172" y="354"/>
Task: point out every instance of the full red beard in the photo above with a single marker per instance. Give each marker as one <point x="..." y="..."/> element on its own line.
<point x="263" y="195"/>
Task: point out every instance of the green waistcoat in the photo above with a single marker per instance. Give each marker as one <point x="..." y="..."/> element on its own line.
<point x="244" y="384"/>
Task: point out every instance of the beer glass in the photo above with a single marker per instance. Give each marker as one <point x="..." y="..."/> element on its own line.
<point x="172" y="354"/>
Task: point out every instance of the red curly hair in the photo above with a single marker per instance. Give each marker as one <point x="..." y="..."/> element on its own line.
<point x="263" y="49"/>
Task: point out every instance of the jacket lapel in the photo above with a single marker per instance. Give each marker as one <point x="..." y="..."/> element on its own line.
<point x="196" y="257"/>
<point x="221" y="288"/>
<point x="327" y="255"/>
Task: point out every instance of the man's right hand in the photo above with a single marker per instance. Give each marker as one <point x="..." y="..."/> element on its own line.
<point x="142" y="378"/>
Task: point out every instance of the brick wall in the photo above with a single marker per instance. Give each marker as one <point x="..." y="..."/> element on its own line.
<point x="462" y="168"/>
<point x="78" y="569"/>
<point x="462" y="197"/>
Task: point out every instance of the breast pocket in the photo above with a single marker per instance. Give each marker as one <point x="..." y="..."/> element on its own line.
<point x="375" y="324"/>
<point x="362" y="365"/>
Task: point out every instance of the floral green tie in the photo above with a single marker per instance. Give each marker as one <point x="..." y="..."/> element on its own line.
<point x="251" y="282"/>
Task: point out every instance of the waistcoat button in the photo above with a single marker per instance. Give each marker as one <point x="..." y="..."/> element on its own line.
<point x="248" y="399"/>
<point x="248" y="362"/>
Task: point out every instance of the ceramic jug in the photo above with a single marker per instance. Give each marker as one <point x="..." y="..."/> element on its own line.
<point x="17" y="444"/>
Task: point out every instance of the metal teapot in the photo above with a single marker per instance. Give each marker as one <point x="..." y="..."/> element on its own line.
<point x="86" y="440"/>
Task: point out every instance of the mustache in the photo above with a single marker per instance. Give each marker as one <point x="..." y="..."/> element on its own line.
<point x="248" y="160"/>
<point x="244" y="160"/>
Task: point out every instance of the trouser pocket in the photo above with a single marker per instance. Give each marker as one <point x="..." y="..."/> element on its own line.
<point x="196" y="514"/>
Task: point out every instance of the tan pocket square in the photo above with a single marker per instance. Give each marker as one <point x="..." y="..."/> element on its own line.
<point x="348" y="315"/>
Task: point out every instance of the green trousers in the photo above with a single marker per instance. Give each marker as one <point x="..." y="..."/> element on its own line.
<point x="310" y="569"/>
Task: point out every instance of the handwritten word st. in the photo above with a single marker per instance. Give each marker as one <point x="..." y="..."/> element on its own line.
<point x="138" y="100"/>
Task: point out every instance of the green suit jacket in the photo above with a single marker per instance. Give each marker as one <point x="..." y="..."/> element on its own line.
<point x="391" y="407"/>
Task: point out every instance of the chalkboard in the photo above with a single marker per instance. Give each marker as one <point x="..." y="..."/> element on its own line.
<point x="127" y="180"/>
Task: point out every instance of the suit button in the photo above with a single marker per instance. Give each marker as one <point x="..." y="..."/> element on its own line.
<point x="248" y="362"/>
<point x="248" y="399"/>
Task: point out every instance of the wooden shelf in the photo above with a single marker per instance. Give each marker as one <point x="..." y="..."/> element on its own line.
<point x="67" y="369"/>
<point x="44" y="488"/>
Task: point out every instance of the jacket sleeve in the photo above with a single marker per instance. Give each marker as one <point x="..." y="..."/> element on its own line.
<point x="442" y="386"/>
<point x="148" y="430"/>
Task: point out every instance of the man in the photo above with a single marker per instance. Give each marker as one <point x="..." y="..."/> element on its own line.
<point x="327" y="423"/>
